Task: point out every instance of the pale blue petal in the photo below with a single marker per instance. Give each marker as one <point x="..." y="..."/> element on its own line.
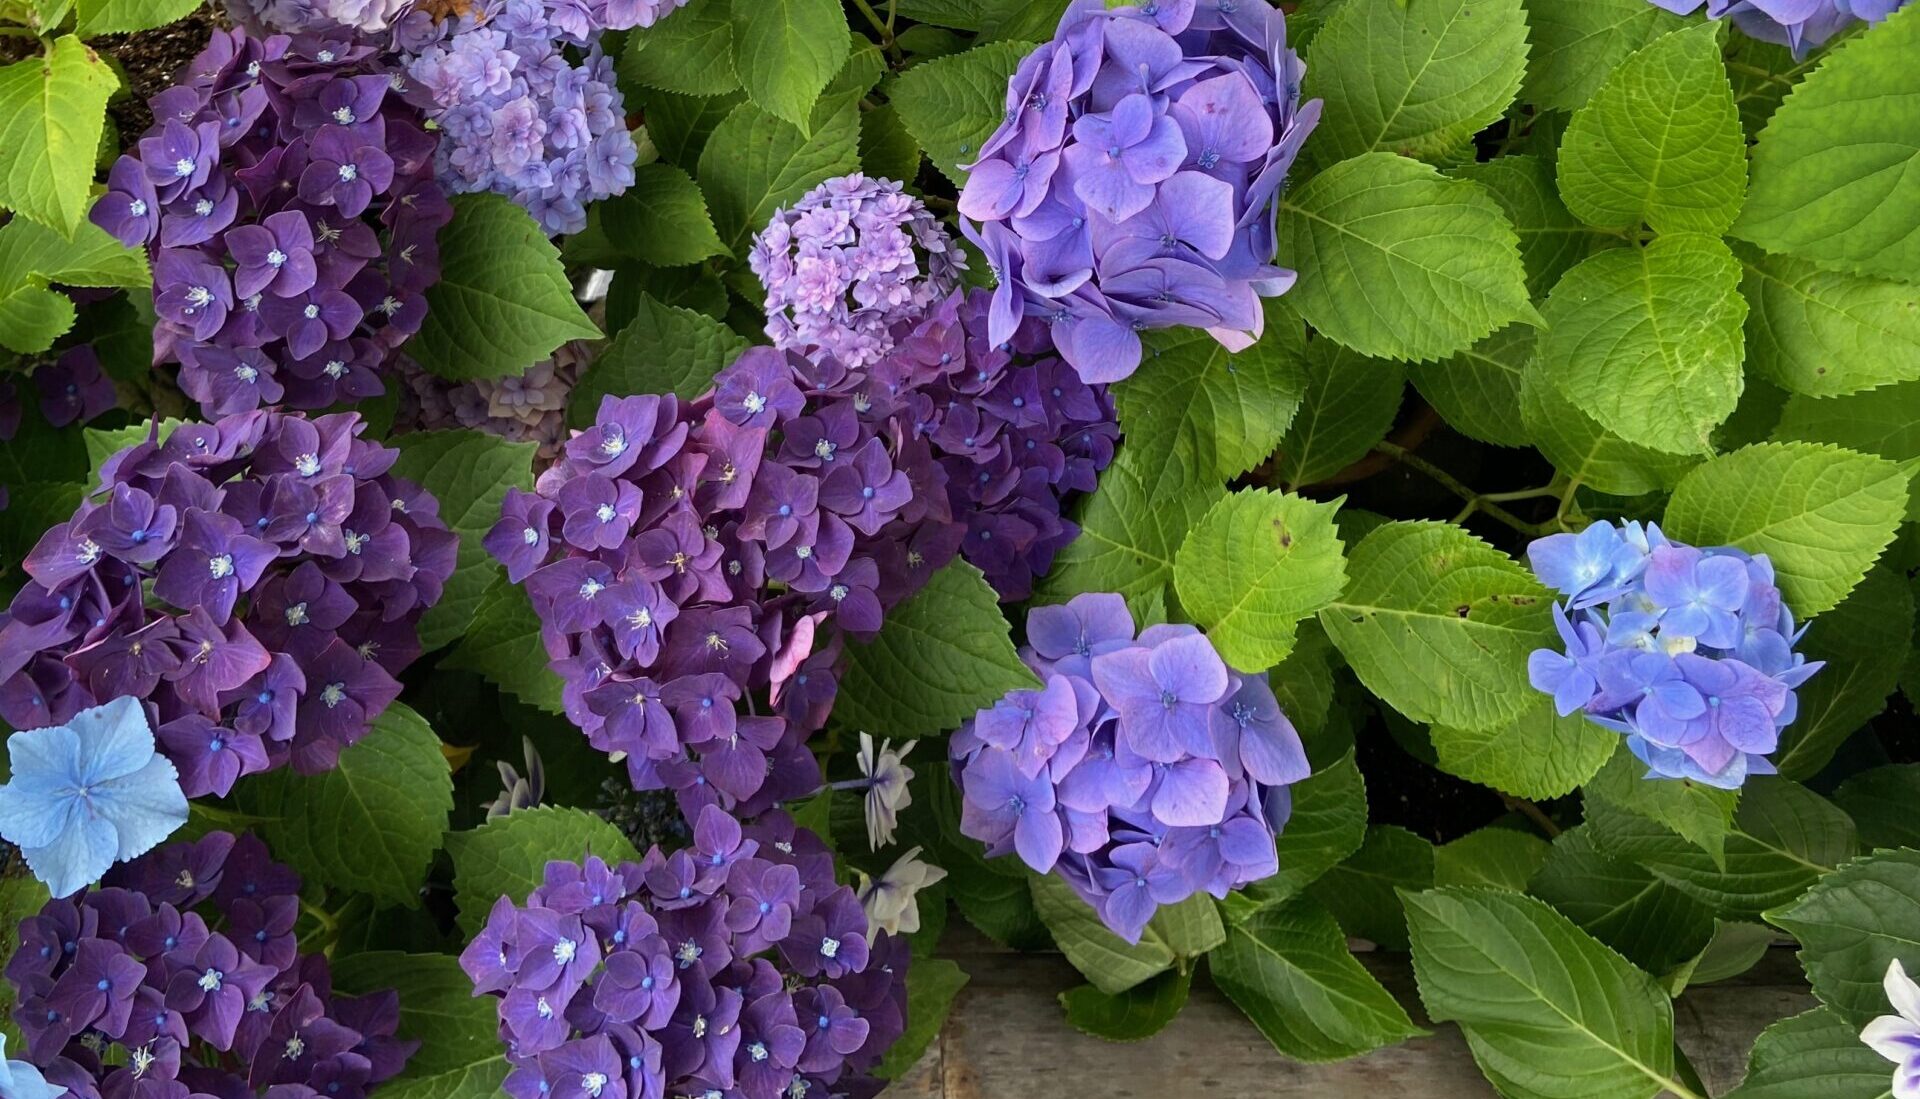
<point x="76" y="858"/>
<point x="53" y="752"/>
<point x="34" y="810"/>
<point x="144" y="807"/>
<point x="115" y="739"/>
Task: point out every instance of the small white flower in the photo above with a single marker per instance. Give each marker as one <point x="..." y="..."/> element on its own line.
<point x="888" y="793"/>
<point x="1897" y="1037"/>
<point x="889" y="899"/>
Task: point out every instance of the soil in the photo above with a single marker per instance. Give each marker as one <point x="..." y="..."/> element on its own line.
<point x="149" y="60"/>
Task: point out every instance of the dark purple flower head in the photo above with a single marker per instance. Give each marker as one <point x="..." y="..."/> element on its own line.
<point x="73" y="388"/>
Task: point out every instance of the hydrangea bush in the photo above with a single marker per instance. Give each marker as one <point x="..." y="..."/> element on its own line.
<point x="495" y="493"/>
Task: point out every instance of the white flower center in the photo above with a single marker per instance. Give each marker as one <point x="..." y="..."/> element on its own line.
<point x="220" y="566"/>
<point x="803" y="552"/>
<point x="348" y="173"/>
<point x="247" y="374"/>
<point x="823" y="450"/>
<point x="89" y="551"/>
<point x="753" y="402"/>
<point x="324" y="57"/>
<point x="591" y="588"/>
<point x="306" y="465"/>
<point x="295" y="1047"/>
<point x="640" y="619"/>
<point x="311" y="312"/>
<point x="605" y="513"/>
<point x="138" y="208"/>
<point x="211" y="980"/>
<point x="757" y="1051"/>
<point x="593" y="1082"/>
<point x="297" y="614"/>
<point x="530" y="536"/>
<point x="344" y="116"/>
<point x="199" y="295"/>
<point x="699" y="1026"/>
<point x="355" y="542"/>
<point x="542" y="1008"/>
<point x="829" y="948"/>
<point x="203" y="207"/>
<point x="262" y="1001"/>
<point x="333" y="694"/>
<point x="183" y="167"/>
<point x="335" y="369"/>
<point x="276" y="258"/>
<point x="564" y="950"/>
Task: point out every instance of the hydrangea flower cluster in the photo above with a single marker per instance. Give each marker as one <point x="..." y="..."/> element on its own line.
<point x="1134" y="181"/>
<point x="73" y="388"/>
<point x="1801" y="24"/>
<point x="130" y="990"/>
<point x="285" y="194"/>
<point x="683" y="555"/>
<point x="517" y="113"/>
<point x="844" y="266"/>
<point x="1687" y="652"/>
<point x="264" y="17"/>
<point x="1143" y="771"/>
<point x="257" y="581"/>
<point x="734" y="967"/>
<point x="526" y="407"/>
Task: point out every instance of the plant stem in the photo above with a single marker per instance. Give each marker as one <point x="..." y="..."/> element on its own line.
<point x="1533" y="813"/>
<point x="1475" y="501"/>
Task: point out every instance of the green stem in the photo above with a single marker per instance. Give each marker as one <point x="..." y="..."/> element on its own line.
<point x="1533" y="813"/>
<point x="1566" y="501"/>
<point x="884" y="27"/>
<point x="1475" y="501"/>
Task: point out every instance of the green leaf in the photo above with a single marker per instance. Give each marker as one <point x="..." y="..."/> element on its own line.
<point x="1865" y="641"/>
<point x="1499" y="858"/>
<point x="1328" y="823"/>
<point x="126" y="16"/>
<point x="1576" y="43"/>
<point x="503" y="643"/>
<point x="1415" y="79"/>
<point x="1349" y="404"/>
<point x="503" y="303"/>
<point x="1478" y="391"/>
<point x="1287" y="967"/>
<point x="1648" y="341"/>
<point x="1820" y="513"/>
<point x="961" y="15"/>
<point x="691" y="54"/>
<point x="1879" y="421"/>
<point x="662" y="219"/>
<point x="1623" y="905"/>
<point x="756" y="163"/>
<point x="1660" y="143"/>
<point x="1584" y="451"/>
<point x="1852" y="925"/>
<point x="1551" y="238"/>
<point x="1538" y="754"/>
<point x="1784" y="838"/>
<point x="32" y="317"/>
<point x="664" y="349"/>
<point x="1881" y="802"/>
<point x="1701" y="813"/>
<point x="1439" y="624"/>
<point x="469" y="473"/>
<point x="370" y="825"/>
<point x="941" y="655"/>
<point x="1547" y="1010"/>
<point x="785" y="52"/>
<point x="1136" y="1014"/>
<point x="1826" y="334"/>
<point x="1814" y="1053"/>
<point x="1258" y="563"/>
<point x="1133" y="524"/>
<point x="1361" y="891"/>
<point x="52" y="110"/>
<point x="1231" y="408"/>
<point x="681" y="124"/>
<point x="1736" y="947"/>
<point x="1836" y="174"/>
<point x="460" y="1056"/>
<point x="887" y="150"/>
<point x="1106" y="960"/>
<point x="1400" y="262"/>
<point x="952" y="105"/>
<point x="88" y="258"/>
<point x="508" y="856"/>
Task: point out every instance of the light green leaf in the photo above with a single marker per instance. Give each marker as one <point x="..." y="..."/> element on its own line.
<point x="1328" y="823"/>
<point x="1660" y="143"/>
<point x="1576" y="43"/>
<point x="20" y="897"/>
<point x="1538" y="754"/>
<point x="1865" y="641"/>
<point x="1551" y="238"/>
<point x="1350" y="402"/>
<point x="1814" y="1053"/>
<point x="1362" y="892"/>
<point x="503" y="643"/>
<point x="32" y="317"/>
<point x="1132" y="526"/>
<point x="52" y="109"/>
<point x="1881" y="802"/>
<point x="1414" y="79"/>
<point x="1836" y="174"/>
<point x="1136" y="1014"/>
<point x="664" y="349"/>
<point x="469" y="473"/>
<point x="1820" y="513"/>
<point x="932" y="984"/>
<point x="1287" y="967"/>
<point x="680" y="125"/>
<point x="1701" y="813"/>
<point x="1400" y="262"/>
<point x="691" y="53"/>
<point x="1623" y="905"/>
<point x="126" y="16"/>
<point x="1498" y="858"/>
<point x="1826" y="334"/>
<point x="88" y="258"/>
<point x="785" y="51"/>
<point x="508" y="857"/>
<point x="940" y="656"/>
<point x="504" y="302"/>
<point x="1110" y="963"/>
<point x="1547" y="1010"/>
<point x="370" y="825"/>
<point x="1584" y="451"/>
<point x="953" y="104"/>
<point x="1258" y="563"/>
<point x="662" y="219"/>
<point x="460" y="1056"/>
<point x="1439" y="624"/>
<point x="1647" y="340"/>
<point x="756" y="163"/>
<point x="1880" y="421"/>
<point x="1852" y="924"/>
<point x="1478" y="391"/>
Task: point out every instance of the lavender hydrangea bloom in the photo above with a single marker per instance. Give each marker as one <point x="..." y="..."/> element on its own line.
<point x="1134" y="180"/>
<point x="127" y="991"/>
<point x="746" y="969"/>
<point x="293" y="161"/>
<point x="848" y="262"/>
<point x="1687" y="652"/>
<point x="527" y="407"/>
<point x="1144" y="772"/>
<point x="254" y="582"/>
<point x="1801" y="24"/>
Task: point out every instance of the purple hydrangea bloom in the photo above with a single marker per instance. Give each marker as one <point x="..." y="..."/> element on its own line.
<point x="125" y="990"/>
<point x="1687" y="652"/>
<point x="1801" y="24"/>
<point x="285" y="572"/>
<point x="1134" y="180"/>
<point x="743" y="969"/>
<point x="73" y="388"/>
<point x="1143" y="772"/>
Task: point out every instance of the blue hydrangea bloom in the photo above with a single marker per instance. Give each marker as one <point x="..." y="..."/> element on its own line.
<point x="1800" y="24"/>
<point x="21" y="1080"/>
<point x="1686" y="651"/>
<point x="89" y="793"/>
